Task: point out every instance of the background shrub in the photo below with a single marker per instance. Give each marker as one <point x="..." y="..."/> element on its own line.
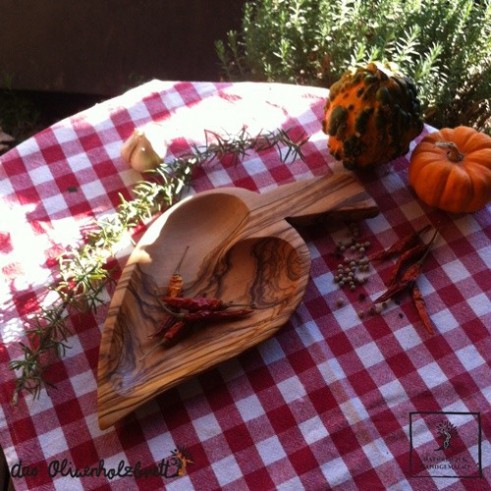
<point x="444" y="45"/>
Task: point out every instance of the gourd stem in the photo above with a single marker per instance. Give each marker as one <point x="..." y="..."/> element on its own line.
<point x="453" y="152"/>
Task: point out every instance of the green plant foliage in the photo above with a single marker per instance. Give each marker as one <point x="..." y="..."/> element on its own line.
<point x="18" y="114"/>
<point x="444" y="45"/>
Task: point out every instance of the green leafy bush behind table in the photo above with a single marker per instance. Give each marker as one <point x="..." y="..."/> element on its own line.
<point x="445" y="46"/>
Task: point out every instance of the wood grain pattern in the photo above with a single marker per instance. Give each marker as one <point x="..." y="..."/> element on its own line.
<point x="242" y="249"/>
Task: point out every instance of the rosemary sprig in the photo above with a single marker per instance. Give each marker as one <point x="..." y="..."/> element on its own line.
<point x="49" y="333"/>
<point x="238" y="145"/>
<point x="84" y="275"/>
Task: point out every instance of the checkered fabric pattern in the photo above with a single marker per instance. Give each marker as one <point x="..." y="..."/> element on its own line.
<point x="331" y="401"/>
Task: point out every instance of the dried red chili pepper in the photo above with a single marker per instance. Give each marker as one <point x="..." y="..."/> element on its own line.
<point x="175" y="285"/>
<point x="174" y="288"/>
<point x="415" y="253"/>
<point x="193" y="304"/>
<point x="391" y="292"/>
<point x="400" y="245"/>
<point x="214" y="315"/>
<point x="169" y="332"/>
<point x="207" y="314"/>
<point x="412" y="254"/>
<point x="407" y="279"/>
<point x="420" y="305"/>
<point x="164" y="327"/>
<point x="182" y="322"/>
<point x="176" y="332"/>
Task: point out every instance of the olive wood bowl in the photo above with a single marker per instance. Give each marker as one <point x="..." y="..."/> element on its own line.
<point x="228" y="243"/>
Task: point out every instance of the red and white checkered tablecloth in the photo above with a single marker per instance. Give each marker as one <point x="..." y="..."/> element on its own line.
<point x="330" y="402"/>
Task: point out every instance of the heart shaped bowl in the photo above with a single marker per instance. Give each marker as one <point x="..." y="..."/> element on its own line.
<point x="231" y="244"/>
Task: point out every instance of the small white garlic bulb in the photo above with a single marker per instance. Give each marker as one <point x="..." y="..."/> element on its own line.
<point x="139" y="151"/>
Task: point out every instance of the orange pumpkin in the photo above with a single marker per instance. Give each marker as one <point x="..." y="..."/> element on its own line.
<point x="450" y="169"/>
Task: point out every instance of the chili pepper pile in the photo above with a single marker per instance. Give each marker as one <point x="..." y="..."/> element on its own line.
<point x="411" y="251"/>
<point x="186" y="312"/>
<point x="401" y="245"/>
